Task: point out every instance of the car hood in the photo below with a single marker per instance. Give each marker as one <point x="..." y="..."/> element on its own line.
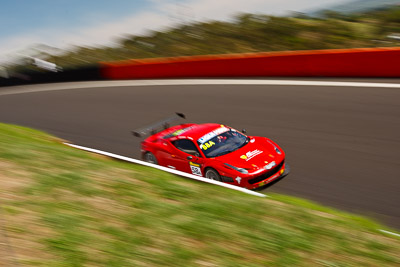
<point x="258" y="153"/>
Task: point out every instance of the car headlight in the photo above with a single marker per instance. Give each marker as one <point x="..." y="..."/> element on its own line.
<point x="277" y="150"/>
<point x="241" y="170"/>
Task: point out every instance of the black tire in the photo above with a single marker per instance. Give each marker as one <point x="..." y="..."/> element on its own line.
<point x="150" y="158"/>
<point x="212" y="174"/>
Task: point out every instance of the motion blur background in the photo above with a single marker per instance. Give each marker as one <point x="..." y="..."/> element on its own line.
<point x="50" y="36"/>
<point x="62" y="207"/>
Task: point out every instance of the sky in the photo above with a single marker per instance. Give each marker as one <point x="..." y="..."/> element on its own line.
<point x="63" y="23"/>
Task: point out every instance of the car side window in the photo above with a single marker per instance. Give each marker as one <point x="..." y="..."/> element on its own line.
<point x="186" y="146"/>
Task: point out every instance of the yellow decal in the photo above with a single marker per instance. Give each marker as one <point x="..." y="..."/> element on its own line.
<point x="243" y="157"/>
<point x="194" y="164"/>
<point x="282" y="170"/>
<point x="207" y="145"/>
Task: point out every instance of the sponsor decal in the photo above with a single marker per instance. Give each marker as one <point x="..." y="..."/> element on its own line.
<point x="252" y="140"/>
<point x="207" y="145"/>
<point x="212" y="134"/>
<point x="270" y="165"/>
<point x="251" y="154"/>
<point x="238" y="179"/>
<point x="273" y="177"/>
<point x="196" y="170"/>
<point x="178" y="132"/>
<point x="268" y="180"/>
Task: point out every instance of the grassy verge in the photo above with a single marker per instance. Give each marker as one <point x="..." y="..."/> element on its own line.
<point x="65" y="207"/>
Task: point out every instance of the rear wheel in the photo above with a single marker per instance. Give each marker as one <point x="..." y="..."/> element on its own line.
<point x="213" y="175"/>
<point x="150" y="158"/>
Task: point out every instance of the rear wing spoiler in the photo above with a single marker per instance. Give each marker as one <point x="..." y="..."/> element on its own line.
<point x="155" y="127"/>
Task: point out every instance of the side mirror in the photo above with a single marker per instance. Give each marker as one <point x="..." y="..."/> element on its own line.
<point x="244" y="131"/>
<point x="189" y="157"/>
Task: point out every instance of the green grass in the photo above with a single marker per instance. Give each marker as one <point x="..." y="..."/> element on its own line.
<point x="65" y="207"/>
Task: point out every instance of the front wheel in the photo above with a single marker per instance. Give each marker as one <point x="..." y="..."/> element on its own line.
<point x="150" y="158"/>
<point x="213" y="175"/>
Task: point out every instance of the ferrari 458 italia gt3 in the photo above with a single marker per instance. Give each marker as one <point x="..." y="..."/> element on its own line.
<point x="217" y="152"/>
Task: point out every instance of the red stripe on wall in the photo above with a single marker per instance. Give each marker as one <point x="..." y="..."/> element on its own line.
<point x="365" y="62"/>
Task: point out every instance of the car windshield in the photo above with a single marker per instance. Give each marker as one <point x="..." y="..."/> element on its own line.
<point x="221" y="141"/>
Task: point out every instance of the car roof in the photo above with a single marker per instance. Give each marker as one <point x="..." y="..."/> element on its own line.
<point x="191" y="131"/>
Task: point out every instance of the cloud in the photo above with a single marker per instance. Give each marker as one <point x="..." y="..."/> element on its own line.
<point x="224" y="9"/>
<point x="161" y="15"/>
<point x="101" y="34"/>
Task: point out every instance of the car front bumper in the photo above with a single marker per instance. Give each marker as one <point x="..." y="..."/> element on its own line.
<point x="282" y="172"/>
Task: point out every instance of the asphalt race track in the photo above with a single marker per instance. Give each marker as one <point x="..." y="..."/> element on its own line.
<point x="343" y="143"/>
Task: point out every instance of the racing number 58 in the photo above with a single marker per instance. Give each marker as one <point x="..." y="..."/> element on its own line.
<point x="195" y="169"/>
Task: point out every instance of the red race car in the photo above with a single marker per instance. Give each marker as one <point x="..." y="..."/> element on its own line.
<point x="214" y="151"/>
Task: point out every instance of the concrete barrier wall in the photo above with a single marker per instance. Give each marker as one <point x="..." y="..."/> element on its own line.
<point x="365" y="62"/>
